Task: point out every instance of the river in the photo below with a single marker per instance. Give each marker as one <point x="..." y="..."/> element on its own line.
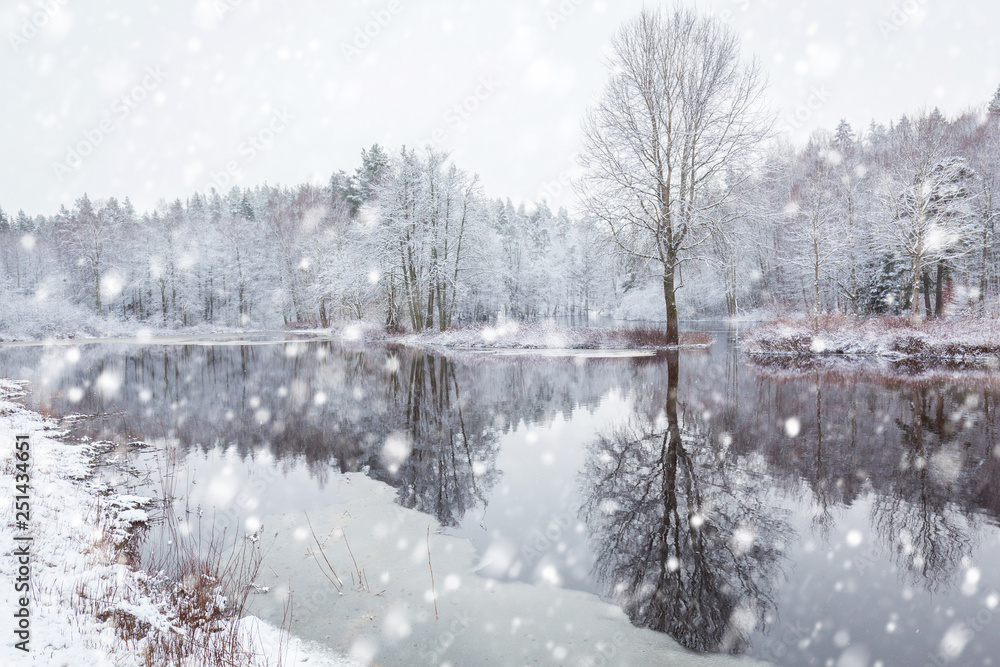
<point x="801" y="516"/>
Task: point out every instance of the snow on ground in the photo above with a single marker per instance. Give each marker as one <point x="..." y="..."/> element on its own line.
<point x="32" y="319"/>
<point x="112" y="331"/>
<point x="192" y="336"/>
<point x="71" y="566"/>
<point x="890" y="337"/>
<point x="390" y="618"/>
<point x="527" y="336"/>
<point x="557" y="340"/>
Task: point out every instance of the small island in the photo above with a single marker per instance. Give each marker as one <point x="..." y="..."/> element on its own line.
<point x="537" y="336"/>
<point x="959" y="339"/>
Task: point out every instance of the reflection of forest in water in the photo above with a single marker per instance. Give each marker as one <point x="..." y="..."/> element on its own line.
<point x="332" y="407"/>
<point x="925" y="451"/>
<point x="681" y="499"/>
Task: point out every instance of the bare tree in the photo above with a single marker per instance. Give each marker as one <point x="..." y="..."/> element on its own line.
<point x="815" y="221"/>
<point x="680" y="112"/>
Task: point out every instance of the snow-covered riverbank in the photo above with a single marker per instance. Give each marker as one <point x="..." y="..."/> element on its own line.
<point x="24" y="324"/>
<point x="889" y="337"/>
<point x="523" y="336"/>
<point x="80" y="592"/>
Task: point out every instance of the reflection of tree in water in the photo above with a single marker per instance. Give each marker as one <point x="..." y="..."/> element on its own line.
<point x="926" y="534"/>
<point x="452" y="465"/>
<point x="823" y="520"/>
<point x="683" y="538"/>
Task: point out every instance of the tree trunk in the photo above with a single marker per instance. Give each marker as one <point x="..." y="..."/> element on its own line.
<point x="670" y="298"/>
<point x="942" y="270"/>
<point x="984" y="284"/>
<point x="928" y="308"/>
<point x="915" y="292"/>
<point x="97" y="287"/>
<point x="816" y="263"/>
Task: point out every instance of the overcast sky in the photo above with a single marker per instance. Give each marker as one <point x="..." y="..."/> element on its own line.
<point x="154" y="100"/>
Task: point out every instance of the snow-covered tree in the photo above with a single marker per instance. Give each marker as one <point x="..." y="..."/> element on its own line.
<point x="681" y="111"/>
<point x="927" y="196"/>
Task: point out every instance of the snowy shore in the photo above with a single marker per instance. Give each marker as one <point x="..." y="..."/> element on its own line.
<point x="82" y="327"/>
<point x="512" y="336"/>
<point x="80" y="592"/>
<point x="881" y="371"/>
<point x="886" y="337"/>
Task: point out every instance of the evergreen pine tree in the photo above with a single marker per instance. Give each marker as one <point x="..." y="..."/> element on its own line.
<point x="246" y="207"/>
<point x="885" y="290"/>
<point x="843" y="138"/>
<point x="23" y="222"/>
<point x="373" y="161"/>
<point x="995" y="104"/>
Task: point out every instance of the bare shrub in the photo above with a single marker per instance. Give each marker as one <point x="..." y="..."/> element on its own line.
<point x="178" y="601"/>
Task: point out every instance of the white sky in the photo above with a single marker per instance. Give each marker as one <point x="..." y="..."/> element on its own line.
<point x="226" y="77"/>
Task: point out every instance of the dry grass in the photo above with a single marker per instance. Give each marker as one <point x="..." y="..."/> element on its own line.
<point x="195" y="592"/>
<point x="206" y="589"/>
<point x="641" y="337"/>
<point x="185" y="595"/>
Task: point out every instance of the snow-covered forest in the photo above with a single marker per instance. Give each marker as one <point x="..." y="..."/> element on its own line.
<point x="409" y="239"/>
<point x="853" y="222"/>
<point x="688" y="191"/>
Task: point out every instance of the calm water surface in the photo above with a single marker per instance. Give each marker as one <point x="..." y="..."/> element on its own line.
<point x="806" y="518"/>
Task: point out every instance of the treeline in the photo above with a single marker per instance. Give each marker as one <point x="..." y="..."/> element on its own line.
<point x="869" y="223"/>
<point x="855" y="222"/>
<point x="409" y="240"/>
